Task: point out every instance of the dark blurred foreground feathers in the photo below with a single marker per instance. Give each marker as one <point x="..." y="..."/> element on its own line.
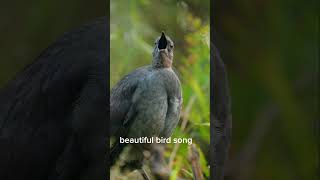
<point x="221" y="118"/>
<point x="53" y="114"/>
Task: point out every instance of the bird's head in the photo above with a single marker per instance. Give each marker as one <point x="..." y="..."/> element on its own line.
<point x="163" y="52"/>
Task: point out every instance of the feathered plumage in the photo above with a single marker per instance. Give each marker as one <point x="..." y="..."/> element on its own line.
<point x="53" y="114"/>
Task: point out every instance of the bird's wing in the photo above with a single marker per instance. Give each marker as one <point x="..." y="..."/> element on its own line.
<point x="122" y="108"/>
<point x="121" y="100"/>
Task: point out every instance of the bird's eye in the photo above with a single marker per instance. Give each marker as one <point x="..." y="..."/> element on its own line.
<point x="171" y="46"/>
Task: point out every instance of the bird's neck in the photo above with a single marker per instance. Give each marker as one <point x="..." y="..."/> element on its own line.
<point x="163" y="62"/>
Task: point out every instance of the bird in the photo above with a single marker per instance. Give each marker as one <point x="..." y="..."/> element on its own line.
<point x="53" y="114"/>
<point x="221" y="115"/>
<point x="146" y="103"/>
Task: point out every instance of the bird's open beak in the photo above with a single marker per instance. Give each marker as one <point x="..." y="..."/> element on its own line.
<point x="162" y="42"/>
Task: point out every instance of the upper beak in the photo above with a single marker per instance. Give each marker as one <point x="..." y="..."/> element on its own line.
<point x="162" y="41"/>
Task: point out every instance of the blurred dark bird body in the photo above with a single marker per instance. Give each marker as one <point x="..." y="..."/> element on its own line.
<point x="221" y="116"/>
<point x="53" y="114"/>
<point x="146" y="102"/>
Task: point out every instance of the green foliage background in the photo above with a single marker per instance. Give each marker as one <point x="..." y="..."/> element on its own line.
<point x="271" y="49"/>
